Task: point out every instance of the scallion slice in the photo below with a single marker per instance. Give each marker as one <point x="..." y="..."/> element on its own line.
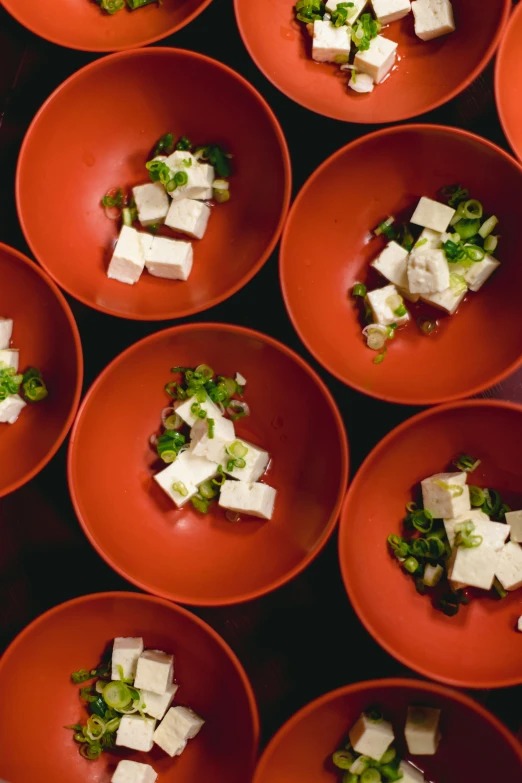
<point x="488" y="226"/>
<point x="180" y="488"/>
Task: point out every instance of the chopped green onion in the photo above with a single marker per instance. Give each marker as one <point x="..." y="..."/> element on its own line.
<point x="129" y="215"/>
<point x="217" y="158"/>
<point x="422" y="520"/>
<point x="184" y="144"/>
<point x="411" y="565"/>
<point x="464" y="537"/>
<point x="348" y="777"/>
<point x="343" y="759"/>
<point x="117" y="695"/>
<point x="87" y="694"/>
<point x="380" y="357"/>
<point x="115" y="200"/>
<point x="388" y="756"/>
<point x="490" y="244"/>
<point x="237" y="449"/>
<point x="364" y="31"/>
<point x="488" y="226"/>
<point x="391" y="772"/>
<point x="82" y="675"/>
<point x="400" y="312"/>
<point x="471" y="209"/>
<point x="492" y="503"/>
<point x="360" y="765"/>
<point x="92" y="752"/>
<point x="180" y="488"/>
<point x="158" y="171"/>
<point x="476" y="496"/>
<point x="474" y="253"/>
<point x="455" y="489"/>
<point x="454" y="195"/>
<point x="309" y="10"/>
<point x="211" y="423"/>
<point x="457" y="284"/>
<point x="432" y="574"/>
<point x="497" y="587"/>
<point x="467" y="228"/>
<point x="386" y="228"/>
<point x="466" y="463"/>
<point x="208" y="490"/>
<point x="165" y="145"/>
<point x="453" y="251"/>
<point x="411" y="507"/>
<point x="134" y="4"/>
<point x="200" y="503"/>
<point x="181" y="178"/>
<point x="420" y="242"/>
<point x="33" y="386"/>
<point x="426" y="325"/>
<point x="220" y="479"/>
<point x="371" y="775"/>
<point x="359" y="290"/>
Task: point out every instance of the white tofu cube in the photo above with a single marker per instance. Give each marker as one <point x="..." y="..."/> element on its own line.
<point x="331" y="44"/>
<point x="446" y="495"/>
<point x="433" y="18"/>
<point x="422" y="730"/>
<point x="477" y="274"/>
<point x="9" y="357"/>
<point x="154" y="671"/>
<point x="514" y="520"/>
<point x="509" y="566"/>
<point x="378" y="59"/>
<point x="392" y="263"/>
<point x="179" y="725"/>
<point x="10" y="409"/>
<point x="152" y="203"/>
<point x="198" y="178"/>
<point x="432" y="214"/>
<point x="408" y="295"/>
<point x="388" y="11"/>
<point x="209" y="174"/>
<point x="6" y="332"/>
<point x="474" y="515"/>
<point x="410" y="774"/>
<point x="136" y="733"/>
<point x="240" y="379"/>
<point x="430" y="238"/>
<point x="382" y="300"/>
<point x="128" y="260"/>
<point x="184" y="410"/>
<point x="125" y="653"/>
<point x="155" y="705"/>
<point x="519" y="623"/>
<point x="134" y="772"/>
<point x="361" y="82"/>
<point x="256" y="461"/>
<point x="188" y="216"/>
<point x="447" y="300"/>
<point x="243" y="497"/>
<point x="214" y="449"/>
<point x="370" y="738"/>
<point x="170" y="258"/>
<point x="353" y="12"/>
<point x="187" y="472"/>
<point x="476" y="566"/>
<point x="428" y="271"/>
<point x="146" y="241"/>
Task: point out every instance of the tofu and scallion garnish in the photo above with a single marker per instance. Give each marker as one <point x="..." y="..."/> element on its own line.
<point x="342" y="34"/>
<point x="206" y="461"/>
<point x="113" y="6"/>
<point x="369" y="755"/>
<point x="434" y="268"/>
<point x="16" y="389"/>
<point x="186" y="182"/>
<point x="458" y="539"/>
<point x="129" y="700"/>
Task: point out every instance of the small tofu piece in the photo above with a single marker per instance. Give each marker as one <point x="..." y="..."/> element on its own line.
<point x="170" y="258"/>
<point x="477" y="274"/>
<point x="209" y="174"/>
<point x="146" y="241"/>
<point x="433" y="18"/>
<point x="214" y="449"/>
<point x="378" y="59"/>
<point x="125" y="653"/>
<point x="430" y="238"/>
<point x="353" y="12"/>
<point x="179" y="725"/>
<point x="188" y="216"/>
<point x="188" y="471"/>
<point x="422" y="730"/>
<point x="476" y="566"/>
<point x="410" y="774"/>
<point x="446" y="495"/>
<point x="428" y="271"/>
<point x="447" y="300"/>
<point x="475" y="515"/>
<point x="10" y="409"/>
<point x="256" y="461"/>
<point x="392" y="263"/>
<point x="244" y="497"/>
<point x="6" y="332"/>
<point x="432" y="214"/>
<point x="509" y="566"/>
<point x="185" y="412"/>
<point x="408" y="295"/>
<point x="134" y="772"/>
<point x="128" y="259"/>
<point x="331" y="44"/>
<point x="155" y="705"/>
<point x="519" y="623"/>
<point x="370" y="738"/>
<point x="388" y="11"/>
<point x="136" y="733"/>
<point x="9" y="357"/>
<point x="379" y="301"/>
<point x="154" y="671"/>
<point x="240" y="379"/>
<point x="152" y="203"/>
<point x="361" y="82"/>
<point x="198" y="177"/>
<point x="514" y="520"/>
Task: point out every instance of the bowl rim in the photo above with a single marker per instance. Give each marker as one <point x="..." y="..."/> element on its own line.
<point x="341" y="432"/>
<point x="366" y="466"/>
<point x="474" y="74"/>
<point x="151" y="599"/>
<point x="189" y="55"/>
<point x="11" y="7"/>
<point x="400" y="399"/>
<point x="498" y="89"/>
<point x="65" y="307"/>
<point x="392" y="683"/>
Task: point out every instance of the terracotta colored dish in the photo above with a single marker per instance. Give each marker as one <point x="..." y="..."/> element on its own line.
<point x="92" y="120"/>
<point x="301" y="749"/>
<point x="82" y="25"/>
<point x="46" y="334"/>
<point x="181" y="554"/>
<point x="428" y="75"/>
<point x="73" y="636"/>
<point x="319" y="265"/>
<point x="508" y="72"/>
<point x="402" y="621"/>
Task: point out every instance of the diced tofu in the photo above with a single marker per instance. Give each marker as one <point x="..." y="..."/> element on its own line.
<point x="432" y="214"/>
<point x="408" y="295"/>
<point x="331" y="44"/>
<point x="10" y="409"/>
<point x="188" y="216"/>
<point x="378" y="59"/>
<point x="152" y="203"/>
<point x="154" y="671"/>
<point x="446" y="495"/>
<point x="240" y="379"/>
<point x="428" y="271"/>
<point x="361" y="82"/>
<point x="519" y="623"/>
<point x="155" y="705"/>
<point x="128" y="260"/>
<point x="509" y="566"/>
<point x="388" y="11"/>
<point x="422" y="730"/>
<point x="187" y="472"/>
<point x="256" y="461"/>
<point x="433" y="18"/>
<point x="474" y="515"/>
<point x="476" y="566"/>
<point x="134" y="772"/>
<point x="477" y="274"/>
<point x="208" y="172"/>
<point x="410" y="774"/>
<point x="447" y="300"/>
<point x="179" y="725"/>
<point x="430" y="238"/>
<point x="6" y="332"/>
<point x="243" y="497"/>
<point x="214" y="449"/>
<point x="136" y="733"/>
<point x="125" y="653"/>
<point x="198" y="178"/>
<point x="170" y="258"/>
<point x="381" y="301"/>
<point x="370" y="738"/>
<point x="353" y="12"/>
<point x="392" y="263"/>
<point x="514" y="520"/>
<point x="9" y="357"/>
<point x="146" y="241"/>
<point x="185" y="410"/>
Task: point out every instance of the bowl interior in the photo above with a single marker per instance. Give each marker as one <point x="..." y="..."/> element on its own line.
<point x="74" y="636"/>
<point x="181" y="554"/>
<point x="300" y="752"/>
<point x="47" y="338"/>
<point x="405" y="623"/>
<point x="508" y="74"/>
<point x="107" y="119"/>
<point x="428" y="74"/>
<point x="319" y="267"/>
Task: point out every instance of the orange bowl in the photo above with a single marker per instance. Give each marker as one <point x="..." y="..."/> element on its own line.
<point x="91" y="119"/>
<point x="428" y="75"/>
<point x="46" y="335"/>
<point x="74" y="636"/>
<point x="81" y="25"/>
<point x="508" y="71"/>
<point x="403" y="622"/>
<point x="319" y="267"/>
<point x="181" y="554"/>
<point x="301" y="750"/>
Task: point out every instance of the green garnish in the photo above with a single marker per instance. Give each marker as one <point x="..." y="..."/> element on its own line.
<point x="134" y="4"/>
<point x="386" y="228"/>
<point x="364" y="31"/>
<point x="30" y="384"/>
<point x="200" y="503"/>
<point x="454" y="195"/>
<point x="184" y="144"/>
<point x="340" y="15"/>
<point x="400" y="311"/>
<point x="115" y="200"/>
<point x="466" y="463"/>
<point x="464" y="537"/>
<point x="165" y="145"/>
<point x="309" y="10"/>
<point x="359" y="290"/>
<point x="211" y="424"/>
<point x="216" y="156"/>
<point x="158" y="171"/>
<point x="180" y="178"/>
<point x="111" y="6"/>
<point x="180" y="488"/>
<point x="169" y="445"/>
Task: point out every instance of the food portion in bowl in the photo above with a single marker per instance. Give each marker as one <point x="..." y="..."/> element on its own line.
<point x="186" y="183"/>
<point x="435" y="268"/>
<point x="113" y="6"/>
<point x="16" y="389"/>
<point x="342" y="34"/>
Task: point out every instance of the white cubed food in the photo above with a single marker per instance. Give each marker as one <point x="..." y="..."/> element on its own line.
<point x="370" y="738"/>
<point x="134" y="772"/>
<point x="361" y="82"/>
<point x="422" y="730"/>
<point x="240" y="379"/>
<point x="392" y="263"/>
<point x="155" y="705"/>
<point x="214" y="449"/>
<point x="179" y="725"/>
<point x="432" y="214"/>
<point x="433" y="18"/>
<point x="184" y="410"/>
<point x="428" y="271"/>
<point x="198" y="177"/>
<point x="136" y="733"/>
<point x="6" y="332"/>
<point x="430" y="238"/>
<point x="128" y="259"/>
<point x="388" y="11"/>
<point x="154" y="671"/>
<point x="10" y="409"/>
<point x="519" y="623"/>
<point x="244" y="497"/>
<point x="354" y="11"/>
<point x="476" y="566"/>
<point x="256" y="461"/>
<point x="188" y="216"/>
<point x="509" y="566"/>
<point x="447" y="300"/>
<point x="208" y="173"/>
<point x="478" y="273"/>
<point x="379" y="301"/>
<point x="125" y="653"/>
<point x="514" y="520"/>
<point x="446" y="495"/>
<point x="410" y="774"/>
<point x="170" y="258"/>
<point x="331" y="44"/>
<point x="152" y="203"/>
<point x="9" y="357"/>
<point x="474" y="515"/>
<point x="378" y="59"/>
<point x="188" y="472"/>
